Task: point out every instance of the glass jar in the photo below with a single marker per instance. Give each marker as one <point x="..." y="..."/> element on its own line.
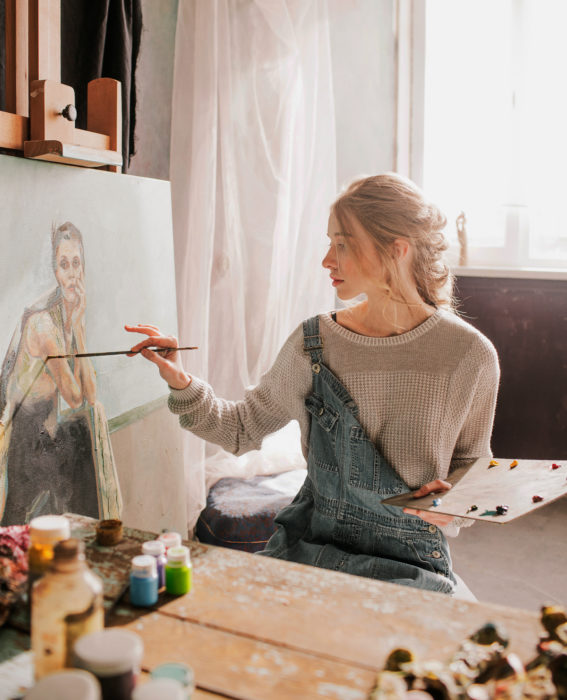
<point x="178" y="571"/>
<point x="156" y="549"/>
<point x="182" y="673"/>
<point x="170" y="539"/>
<point x="45" y="532"/>
<point x="72" y="684"/>
<point x="160" y="689"/>
<point x="66" y="604"/>
<point x="114" y="656"/>
<point x="143" y="581"/>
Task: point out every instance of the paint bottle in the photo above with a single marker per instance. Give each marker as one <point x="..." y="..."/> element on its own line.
<point x="72" y="684"/>
<point x="143" y="581"/>
<point x="66" y="604"/>
<point x="156" y="549"/>
<point x="160" y="689"/>
<point x="45" y="532"/>
<point x="114" y="656"/>
<point x="182" y="673"/>
<point x="178" y="571"/>
<point x="170" y="539"/>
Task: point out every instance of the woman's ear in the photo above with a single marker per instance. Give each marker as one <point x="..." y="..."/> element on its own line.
<point x="401" y="248"/>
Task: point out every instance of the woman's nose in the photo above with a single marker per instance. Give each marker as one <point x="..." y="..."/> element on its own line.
<point x="329" y="259"/>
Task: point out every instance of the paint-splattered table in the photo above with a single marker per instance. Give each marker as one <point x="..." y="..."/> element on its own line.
<point x="256" y="628"/>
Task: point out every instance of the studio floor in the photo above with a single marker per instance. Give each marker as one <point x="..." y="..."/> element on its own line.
<point x="521" y="564"/>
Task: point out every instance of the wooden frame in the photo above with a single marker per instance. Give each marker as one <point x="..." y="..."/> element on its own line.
<point x="35" y="97"/>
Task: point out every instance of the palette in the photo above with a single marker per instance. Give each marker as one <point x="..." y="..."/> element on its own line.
<point x="487" y="483"/>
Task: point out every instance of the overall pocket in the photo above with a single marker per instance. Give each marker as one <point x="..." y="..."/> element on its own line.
<point x="369" y="470"/>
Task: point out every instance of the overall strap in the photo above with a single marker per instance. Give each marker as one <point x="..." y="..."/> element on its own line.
<point x="312" y="341"/>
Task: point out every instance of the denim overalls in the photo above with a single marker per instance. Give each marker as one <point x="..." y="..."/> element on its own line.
<point x="337" y="521"/>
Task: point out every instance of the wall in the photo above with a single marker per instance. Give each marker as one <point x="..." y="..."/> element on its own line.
<point x="521" y="564"/>
<point x="154" y="499"/>
<point x="526" y="319"/>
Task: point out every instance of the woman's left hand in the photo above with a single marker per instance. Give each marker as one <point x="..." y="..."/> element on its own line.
<point x="438" y="486"/>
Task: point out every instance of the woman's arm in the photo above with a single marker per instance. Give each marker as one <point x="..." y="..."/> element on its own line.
<point x="473" y="440"/>
<point x="84" y="370"/>
<point x="237" y="426"/>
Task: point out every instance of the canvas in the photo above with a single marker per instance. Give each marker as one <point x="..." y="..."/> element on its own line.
<point x="83" y="252"/>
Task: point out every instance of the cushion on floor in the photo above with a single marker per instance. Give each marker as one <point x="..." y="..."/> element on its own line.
<point x="240" y="512"/>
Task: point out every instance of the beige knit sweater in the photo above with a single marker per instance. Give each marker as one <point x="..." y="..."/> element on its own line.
<point x="426" y="397"/>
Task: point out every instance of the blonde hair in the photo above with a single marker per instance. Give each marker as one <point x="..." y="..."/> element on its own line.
<point x="391" y="207"/>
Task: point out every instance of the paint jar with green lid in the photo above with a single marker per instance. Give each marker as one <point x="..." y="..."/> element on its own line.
<point x="159" y="689"/>
<point x="178" y="571"/>
<point x="182" y="673"/>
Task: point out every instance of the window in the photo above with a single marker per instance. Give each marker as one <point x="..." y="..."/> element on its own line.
<point x="494" y="126"/>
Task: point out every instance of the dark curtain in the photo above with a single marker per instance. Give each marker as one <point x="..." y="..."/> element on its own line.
<point x="2" y="55"/>
<point x="99" y="39"/>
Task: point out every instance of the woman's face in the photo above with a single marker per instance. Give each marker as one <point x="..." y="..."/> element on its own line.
<point x="349" y="275"/>
<point x="69" y="269"/>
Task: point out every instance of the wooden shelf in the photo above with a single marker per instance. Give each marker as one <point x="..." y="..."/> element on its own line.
<point x="71" y="154"/>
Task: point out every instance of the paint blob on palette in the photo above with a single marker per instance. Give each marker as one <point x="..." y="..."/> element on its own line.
<point x="495" y="490"/>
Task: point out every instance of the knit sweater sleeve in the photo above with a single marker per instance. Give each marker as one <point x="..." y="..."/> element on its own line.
<point x="240" y="426"/>
<point x="474" y="437"/>
<point x="473" y="440"/>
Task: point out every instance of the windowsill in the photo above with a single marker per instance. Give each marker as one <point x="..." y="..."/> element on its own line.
<point x="535" y="273"/>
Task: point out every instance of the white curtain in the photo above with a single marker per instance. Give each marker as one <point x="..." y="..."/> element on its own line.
<point x="253" y="173"/>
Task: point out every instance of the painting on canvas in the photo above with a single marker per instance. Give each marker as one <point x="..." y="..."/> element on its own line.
<point x="83" y="253"/>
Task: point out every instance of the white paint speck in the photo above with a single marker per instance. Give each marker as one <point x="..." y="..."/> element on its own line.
<point x="339" y="692"/>
<point x="258" y="671"/>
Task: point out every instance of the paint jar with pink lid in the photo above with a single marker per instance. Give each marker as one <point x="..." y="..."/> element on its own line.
<point x="170" y="539"/>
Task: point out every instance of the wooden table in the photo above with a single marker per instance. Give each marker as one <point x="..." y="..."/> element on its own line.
<point x="257" y="628"/>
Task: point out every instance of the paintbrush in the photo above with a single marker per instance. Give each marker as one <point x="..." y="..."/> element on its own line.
<point x="114" y="352"/>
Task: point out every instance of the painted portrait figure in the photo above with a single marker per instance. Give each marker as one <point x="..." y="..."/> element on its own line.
<point x="55" y="451"/>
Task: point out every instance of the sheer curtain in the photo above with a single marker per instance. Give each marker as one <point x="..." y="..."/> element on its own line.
<point x="253" y="173"/>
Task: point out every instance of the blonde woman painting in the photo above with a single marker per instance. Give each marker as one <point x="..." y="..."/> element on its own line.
<point x="55" y="452"/>
<point x="392" y="393"/>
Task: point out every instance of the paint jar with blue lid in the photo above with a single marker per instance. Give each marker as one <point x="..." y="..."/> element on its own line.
<point x="178" y="672"/>
<point x="156" y="549"/>
<point x="143" y="581"/>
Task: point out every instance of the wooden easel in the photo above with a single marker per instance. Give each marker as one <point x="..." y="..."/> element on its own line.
<point x="41" y="110"/>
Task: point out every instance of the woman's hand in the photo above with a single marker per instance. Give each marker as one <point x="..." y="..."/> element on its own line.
<point x="168" y="362"/>
<point x="439" y="519"/>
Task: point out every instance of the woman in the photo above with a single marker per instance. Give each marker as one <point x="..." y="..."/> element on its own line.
<point x="55" y="452"/>
<point x="391" y="393"/>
